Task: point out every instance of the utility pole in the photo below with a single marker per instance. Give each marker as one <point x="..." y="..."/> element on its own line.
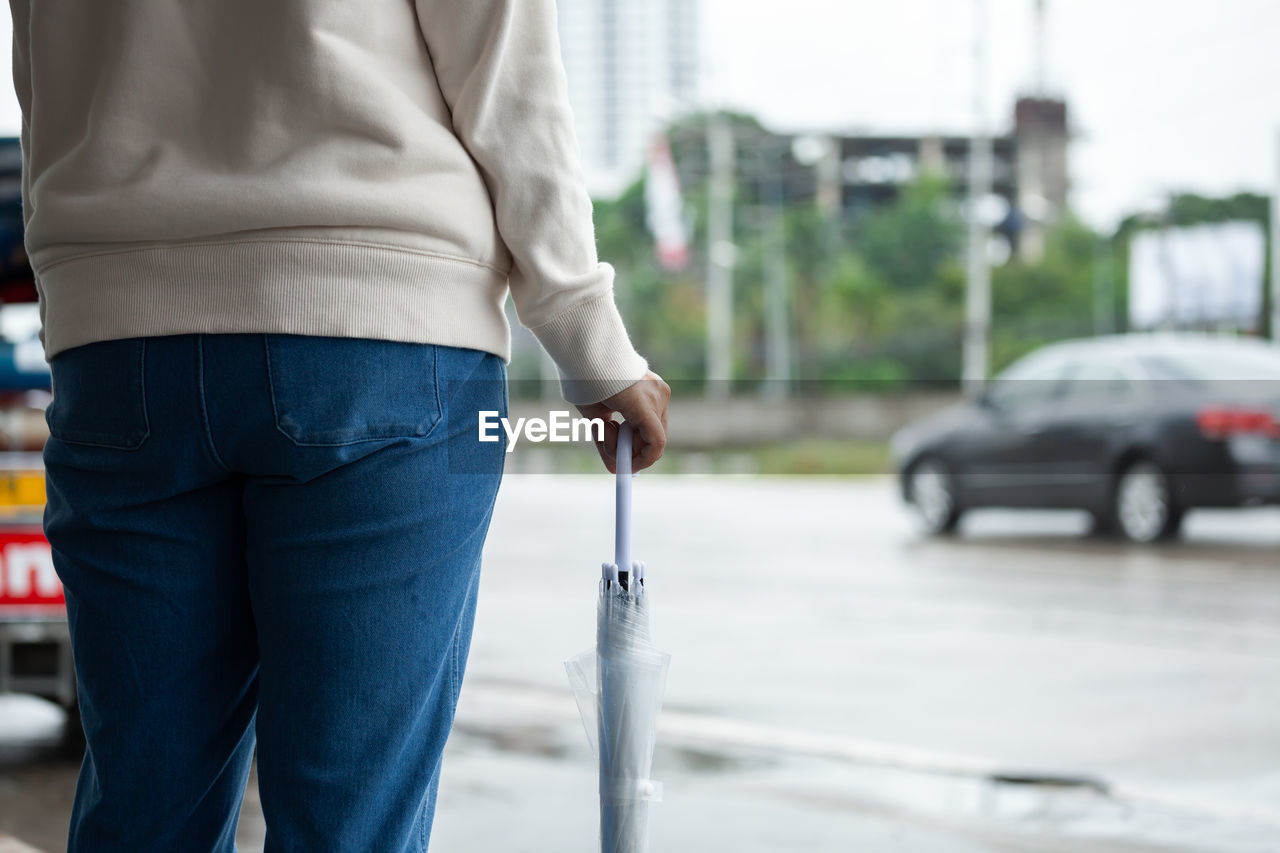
<point x="830" y="185"/>
<point x="720" y="257"/>
<point x="978" y="287"/>
<point x="1042" y="48"/>
<point x="1104" y="292"/>
<point x="1275" y="249"/>
<point x="776" y="320"/>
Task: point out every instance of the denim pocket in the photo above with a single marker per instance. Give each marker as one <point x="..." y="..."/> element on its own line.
<point x="331" y="391"/>
<point x="98" y="395"/>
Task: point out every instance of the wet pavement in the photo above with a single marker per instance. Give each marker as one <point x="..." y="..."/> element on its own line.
<point x="840" y="682"/>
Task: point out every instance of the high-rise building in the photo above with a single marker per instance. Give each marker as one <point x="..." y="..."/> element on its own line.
<point x="631" y="65"/>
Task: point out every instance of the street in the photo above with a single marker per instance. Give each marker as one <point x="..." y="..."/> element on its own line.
<point x="839" y="682"/>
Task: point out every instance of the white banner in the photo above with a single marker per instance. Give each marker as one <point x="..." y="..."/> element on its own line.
<point x="1205" y="275"/>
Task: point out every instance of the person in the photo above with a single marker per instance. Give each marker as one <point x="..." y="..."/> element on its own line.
<point x="273" y="244"/>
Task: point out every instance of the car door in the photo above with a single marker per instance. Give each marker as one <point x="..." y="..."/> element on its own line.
<point x="1100" y="402"/>
<point x="1000" y="455"/>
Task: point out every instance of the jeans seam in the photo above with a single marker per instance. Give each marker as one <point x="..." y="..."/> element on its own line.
<point x="204" y="404"/>
<point x="271" y="390"/>
<point x="435" y="384"/>
<point x="142" y="390"/>
<point x="455" y="684"/>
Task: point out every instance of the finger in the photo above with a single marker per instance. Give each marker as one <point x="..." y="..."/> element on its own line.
<point x="653" y="440"/>
<point x="598" y="412"/>
<point x="637" y="440"/>
<point x="609" y="463"/>
<point x="595" y="410"/>
<point x="609" y="447"/>
<point x="650" y="454"/>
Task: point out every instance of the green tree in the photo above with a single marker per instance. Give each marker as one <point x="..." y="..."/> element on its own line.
<point x="892" y="303"/>
<point x="1034" y="304"/>
<point x="912" y="239"/>
<point x="665" y="312"/>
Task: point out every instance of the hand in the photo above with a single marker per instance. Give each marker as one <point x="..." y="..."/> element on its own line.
<point x="644" y="406"/>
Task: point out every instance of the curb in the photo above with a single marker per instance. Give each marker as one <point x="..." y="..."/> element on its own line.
<point x="715" y="731"/>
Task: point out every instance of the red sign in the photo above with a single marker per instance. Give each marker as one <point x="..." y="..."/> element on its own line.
<point x="27" y="577"/>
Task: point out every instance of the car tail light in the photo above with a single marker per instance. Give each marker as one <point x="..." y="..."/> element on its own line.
<point x="1221" y="422"/>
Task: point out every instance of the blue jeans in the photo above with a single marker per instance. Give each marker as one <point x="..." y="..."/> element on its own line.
<point x="268" y="540"/>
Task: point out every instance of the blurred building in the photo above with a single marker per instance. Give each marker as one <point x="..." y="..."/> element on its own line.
<point x="631" y="66"/>
<point x="1040" y="138"/>
<point x="854" y="173"/>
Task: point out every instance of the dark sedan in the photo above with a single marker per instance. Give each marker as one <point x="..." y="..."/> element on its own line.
<point x="1135" y="429"/>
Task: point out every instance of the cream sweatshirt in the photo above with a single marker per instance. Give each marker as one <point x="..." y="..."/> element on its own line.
<point x="360" y="168"/>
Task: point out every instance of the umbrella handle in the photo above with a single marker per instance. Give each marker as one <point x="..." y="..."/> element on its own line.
<point x="622" y="524"/>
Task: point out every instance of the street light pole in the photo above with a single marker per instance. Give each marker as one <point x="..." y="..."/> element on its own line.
<point x="776" y="319"/>
<point x="978" y="286"/>
<point x="1275" y="249"/>
<point x="1104" y="293"/>
<point x="720" y="257"/>
<point x="1042" y="50"/>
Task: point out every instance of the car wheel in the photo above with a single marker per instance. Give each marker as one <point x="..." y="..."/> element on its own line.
<point x="933" y="495"/>
<point x="1144" y="509"/>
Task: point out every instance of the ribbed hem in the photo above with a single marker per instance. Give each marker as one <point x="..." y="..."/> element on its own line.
<point x="278" y="286"/>
<point x="590" y="346"/>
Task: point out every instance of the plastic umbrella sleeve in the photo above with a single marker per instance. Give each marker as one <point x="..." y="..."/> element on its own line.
<point x="618" y="686"/>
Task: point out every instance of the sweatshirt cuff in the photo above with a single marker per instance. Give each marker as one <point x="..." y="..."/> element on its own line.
<point x="592" y="351"/>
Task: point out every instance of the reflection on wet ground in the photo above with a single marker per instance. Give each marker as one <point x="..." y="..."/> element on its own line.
<point x="839" y="682"/>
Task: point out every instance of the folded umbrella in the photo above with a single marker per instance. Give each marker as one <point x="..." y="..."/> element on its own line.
<point x="619" y="684"/>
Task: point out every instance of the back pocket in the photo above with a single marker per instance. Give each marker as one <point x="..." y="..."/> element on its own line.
<point x="330" y="391"/>
<point x="98" y="395"/>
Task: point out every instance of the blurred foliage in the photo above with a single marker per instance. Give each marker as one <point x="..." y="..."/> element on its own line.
<point x="1035" y="304"/>
<point x="877" y="300"/>
<point x="667" y="311"/>
<point x="893" y="302"/>
<point x="890" y="310"/>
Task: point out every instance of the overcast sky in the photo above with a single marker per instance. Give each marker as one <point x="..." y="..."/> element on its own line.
<point x="1165" y="94"/>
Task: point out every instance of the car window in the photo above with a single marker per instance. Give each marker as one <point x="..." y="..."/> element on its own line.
<point x="1033" y="380"/>
<point x="1097" y="380"/>
<point x="1209" y="363"/>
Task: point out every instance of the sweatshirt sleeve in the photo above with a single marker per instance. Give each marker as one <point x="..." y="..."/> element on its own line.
<point x="499" y="68"/>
